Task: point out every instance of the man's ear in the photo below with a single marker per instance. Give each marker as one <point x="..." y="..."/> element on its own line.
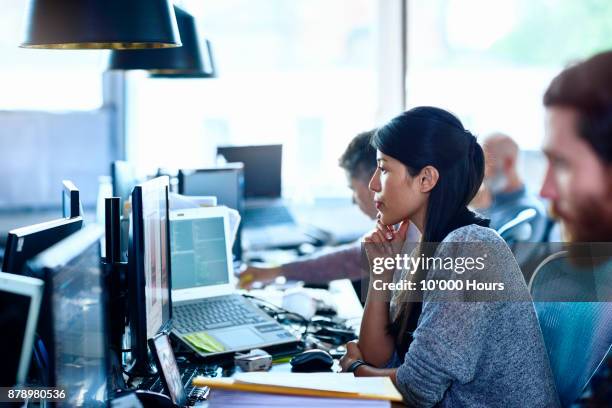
<point x="428" y="178"/>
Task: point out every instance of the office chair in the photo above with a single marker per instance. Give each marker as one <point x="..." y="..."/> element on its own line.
<point x="518" y="234"/>
<point x="519" y="228"/>
<point x="577" y="328"/>
<point x="550" y="230"/>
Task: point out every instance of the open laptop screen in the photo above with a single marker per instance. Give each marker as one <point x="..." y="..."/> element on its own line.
<point x="200" y="248"/>
<point x="199" y="252"/>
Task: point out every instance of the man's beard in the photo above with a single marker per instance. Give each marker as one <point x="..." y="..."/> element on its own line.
<point x="496" y="183"/>
<point x="592" y="222"/>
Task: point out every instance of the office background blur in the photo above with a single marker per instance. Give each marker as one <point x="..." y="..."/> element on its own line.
<point x="309" y="74"/>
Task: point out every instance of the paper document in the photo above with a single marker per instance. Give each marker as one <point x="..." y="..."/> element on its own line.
<point x="220" y="398"/>
<point x="340" y="382"/>
<point x="181" y="202"/>
<point x="333" y="385"/>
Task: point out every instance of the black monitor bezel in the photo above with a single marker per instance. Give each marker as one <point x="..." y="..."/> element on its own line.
<point x="59" y="229"/>
<point x="136" y="276"/>
<point x="70" y="190"/>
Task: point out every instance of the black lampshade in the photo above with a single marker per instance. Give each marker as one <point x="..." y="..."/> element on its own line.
<point x="101" y="24"/>
<point x="191" y="60"/>
<point x="204" y="63"/>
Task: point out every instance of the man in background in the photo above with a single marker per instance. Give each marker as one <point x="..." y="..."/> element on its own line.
<point x="505" y="195"/>
<point x="342" y="262"/>
<point x="578" y="182"/>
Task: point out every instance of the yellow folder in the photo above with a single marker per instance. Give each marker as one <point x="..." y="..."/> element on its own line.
<point x="315" y="385"/>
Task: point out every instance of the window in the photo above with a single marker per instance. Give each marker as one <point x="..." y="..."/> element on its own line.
<point x="490" y="62"/>
<point x="304" y="73"/>
<point x="49" y="119"/>
<point x="55" y="80"/>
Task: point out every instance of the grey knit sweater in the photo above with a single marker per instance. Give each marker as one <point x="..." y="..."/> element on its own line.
<point x="477" y="354"/>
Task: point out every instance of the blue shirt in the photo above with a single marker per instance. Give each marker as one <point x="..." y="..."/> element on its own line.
<point x="506" y="206"/>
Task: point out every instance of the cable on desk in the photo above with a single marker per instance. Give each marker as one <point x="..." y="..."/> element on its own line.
<point x="277" y="311"/>
<point x="327" y="329"/>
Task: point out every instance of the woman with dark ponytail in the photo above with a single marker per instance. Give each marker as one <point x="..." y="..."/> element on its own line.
<point x="443" y="347"/>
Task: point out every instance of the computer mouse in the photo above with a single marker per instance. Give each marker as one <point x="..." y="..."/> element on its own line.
<point x="312" y="361"/>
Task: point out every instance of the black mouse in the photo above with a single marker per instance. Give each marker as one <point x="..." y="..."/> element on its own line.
<point x="312" y="361"/>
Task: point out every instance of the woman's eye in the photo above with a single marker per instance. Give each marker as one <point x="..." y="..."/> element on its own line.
<point x="383" y="170"/>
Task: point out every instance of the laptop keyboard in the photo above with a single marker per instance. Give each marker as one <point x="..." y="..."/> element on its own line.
<point x="214" y="313"/>
<point x="263" y="216"/>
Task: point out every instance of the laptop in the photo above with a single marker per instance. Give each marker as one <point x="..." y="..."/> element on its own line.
<point x="20" y="298"/>
<point x="224" y="182"/>
<point x="267" y="222"/>
<point x="208" y="315"/>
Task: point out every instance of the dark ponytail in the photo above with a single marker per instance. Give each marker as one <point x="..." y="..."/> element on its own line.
<point x="428" y="136"/>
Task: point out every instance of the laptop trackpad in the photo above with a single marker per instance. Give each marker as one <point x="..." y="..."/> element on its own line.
<point x="237" y="338"/>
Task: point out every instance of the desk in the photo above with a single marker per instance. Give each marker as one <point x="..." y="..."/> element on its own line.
<point x="342" y="292"/>
<point x="349" y="307"/>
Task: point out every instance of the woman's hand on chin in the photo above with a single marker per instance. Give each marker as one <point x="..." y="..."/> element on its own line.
<point x="385" y="241"/>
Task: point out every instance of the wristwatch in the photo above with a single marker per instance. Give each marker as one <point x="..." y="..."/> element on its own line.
<point x="355" y="365"/>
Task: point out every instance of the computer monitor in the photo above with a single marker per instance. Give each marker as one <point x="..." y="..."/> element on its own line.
<point x="24" y="243"/>
<point x="262" y="168"/>
<point x="20" y="303"/>
<point x="124" y="179"/>
<point x="149" y="259"/>
<point x="73" y="317"/>
<point x="224" y="182"/>
<point x="71" y="203"/>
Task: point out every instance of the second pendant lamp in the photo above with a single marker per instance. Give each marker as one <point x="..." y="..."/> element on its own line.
<point x="191" y="60"/>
